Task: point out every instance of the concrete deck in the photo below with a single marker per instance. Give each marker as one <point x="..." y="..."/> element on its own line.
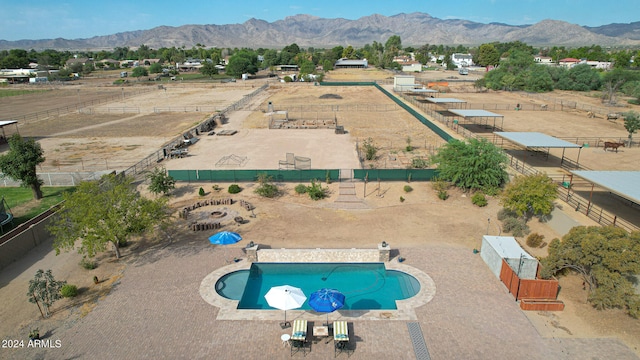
<point x="156" y="312"/>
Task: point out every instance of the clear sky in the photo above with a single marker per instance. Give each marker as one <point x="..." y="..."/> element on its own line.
<point x="74" y="19"/>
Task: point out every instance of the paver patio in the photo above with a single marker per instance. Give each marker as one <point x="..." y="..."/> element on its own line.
<point x="157" y="312"/>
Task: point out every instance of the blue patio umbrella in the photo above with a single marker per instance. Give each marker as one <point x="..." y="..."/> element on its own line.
<point x="326" y="300"/>
<point x="225" y="238"/>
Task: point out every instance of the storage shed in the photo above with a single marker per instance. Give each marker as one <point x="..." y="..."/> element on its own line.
<point x="496" y="248"/>
<point x="404" y="83"/>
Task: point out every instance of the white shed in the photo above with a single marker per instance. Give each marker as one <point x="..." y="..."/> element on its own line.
<point x="404" y="83"/>
<point x="496" y="248"/>
<point x="416" y="67"/>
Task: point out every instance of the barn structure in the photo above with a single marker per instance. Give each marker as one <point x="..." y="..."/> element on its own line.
<point x="351" y="64"/>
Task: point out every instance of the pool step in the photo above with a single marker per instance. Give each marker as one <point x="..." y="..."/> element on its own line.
<point x="407" y="287"/>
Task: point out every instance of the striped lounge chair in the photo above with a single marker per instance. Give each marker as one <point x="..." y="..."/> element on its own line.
<point x="299" y="337"/>
<point x="340" y="337"/>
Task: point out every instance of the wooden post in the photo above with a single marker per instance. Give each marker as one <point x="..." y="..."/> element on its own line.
<point x="590" y="197"/>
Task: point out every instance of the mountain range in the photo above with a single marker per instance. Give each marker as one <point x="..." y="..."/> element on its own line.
<point x="414" y="29"/>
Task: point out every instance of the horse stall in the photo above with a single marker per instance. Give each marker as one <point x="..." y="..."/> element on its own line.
<point x="518" y="270"/>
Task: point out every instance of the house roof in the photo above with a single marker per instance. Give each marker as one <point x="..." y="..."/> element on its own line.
<point x="536" y="140"/>
<point x="569" y="60"/>
<point x="78" y="60"/>
<point x="622" y="183"/>
<point x="350" y="62"/>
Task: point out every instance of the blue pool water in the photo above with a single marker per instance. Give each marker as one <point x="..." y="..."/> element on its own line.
<point x="366" y="286"/>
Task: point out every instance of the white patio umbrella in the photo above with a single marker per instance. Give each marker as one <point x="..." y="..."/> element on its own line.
<point x="285" y="298"/>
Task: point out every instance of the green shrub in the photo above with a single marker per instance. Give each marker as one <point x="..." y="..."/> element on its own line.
<point x="216" y="187"/>
<point x="633" y="307"/>
<point x="201" y="192"/>
<point x="479" y="199"/>
<point x="88" y="263"/>
<point x="266" y="188"/>
<point x="301" y="189"/>
<point x="505" y="213"/>
<point x="419" y="163"/>
<point x="408" y="188"/>
<point x="315" y="191"/>
<point x="234" y="189"/>
<point x="440" y="185"/>
<point x="369" y="149"/>
<point x="401" y="199"/>
<point x="69" y="290"/>
<point x="443" y="195"/>
<point x="516" y="226"/>
<point x="328" y="177"/>
<point x="534" y="240"/>
<point x="490" y="190"/>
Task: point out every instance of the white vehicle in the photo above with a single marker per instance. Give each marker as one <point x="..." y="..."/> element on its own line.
<point x="463" y="71"/>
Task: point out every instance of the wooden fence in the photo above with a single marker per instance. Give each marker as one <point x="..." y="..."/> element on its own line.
<point x="527" y="288"/>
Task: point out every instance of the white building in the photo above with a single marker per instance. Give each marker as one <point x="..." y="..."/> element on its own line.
<point x="462" y="60"/>
<point x="604" y="65"/>
<point x="545" y="60"/>
<point x="351" y="64"/>
<point x="404" y="83"/>
<point x="414" y="67"/>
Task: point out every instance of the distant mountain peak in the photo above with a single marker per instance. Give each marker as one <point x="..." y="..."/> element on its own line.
<point x="414" y="29"/>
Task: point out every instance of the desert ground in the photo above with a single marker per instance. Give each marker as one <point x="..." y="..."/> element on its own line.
<point x="422" y="228"/>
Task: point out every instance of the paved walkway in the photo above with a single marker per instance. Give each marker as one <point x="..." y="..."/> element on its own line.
<point x="347" y="198"/>
<point x="156" y="312"/>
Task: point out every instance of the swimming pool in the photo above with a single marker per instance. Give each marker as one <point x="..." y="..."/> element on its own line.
<point x="366" y="286"/>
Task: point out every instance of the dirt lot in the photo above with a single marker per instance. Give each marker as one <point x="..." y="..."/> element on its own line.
<point x="117" y="140"/>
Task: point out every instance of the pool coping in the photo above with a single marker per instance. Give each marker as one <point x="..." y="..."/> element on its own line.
<point x="405" y="308"/>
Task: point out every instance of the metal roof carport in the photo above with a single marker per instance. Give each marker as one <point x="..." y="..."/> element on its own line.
<point x="444" y="101"/>
<point x="621" y="183"/>
<point x="7" y="123"/>
<point x="420" y="91"/>
<point x="481" y="114"/>
<point x="535" y="140"/>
